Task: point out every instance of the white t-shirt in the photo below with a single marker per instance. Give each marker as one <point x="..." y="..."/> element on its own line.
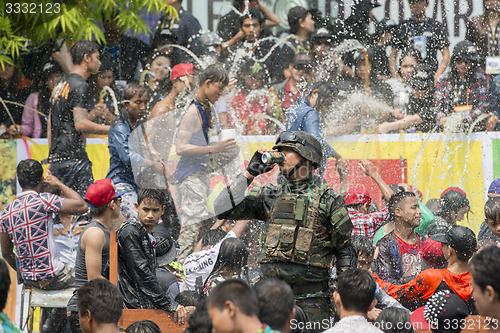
<point x="201" y="264"/>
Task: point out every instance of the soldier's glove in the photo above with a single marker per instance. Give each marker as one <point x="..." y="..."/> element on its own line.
<point x="257" y="167"/>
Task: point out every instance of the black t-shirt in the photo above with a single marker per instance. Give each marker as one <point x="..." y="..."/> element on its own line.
<point x="409" y="35"/>
<point x="424" y="109"/>
<point x="70" y="92"/>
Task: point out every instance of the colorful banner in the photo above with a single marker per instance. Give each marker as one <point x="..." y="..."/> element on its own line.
<point x="432" y="163"/>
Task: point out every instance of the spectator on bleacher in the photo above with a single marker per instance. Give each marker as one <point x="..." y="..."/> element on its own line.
<point x="383" y="36"/>
<point x="356" y="26"/>
<point x="157" y="79"/>
<point x="69" y="120"/>
<point x="303" y="115"/>
<point x="137" y="261"/>
<point x="276" y="304"/>
<point x="424" y="34"/>
<point x="181" y="78"/>
<point x="34" y="123"/>
<point x="485" y="270"/>
<point x="419" y="115"/>
<point x="253" y="47"/>
<point x="453" y="207"/>
<point x="286" y="93"/>
<point x="463" y="89"/>
<point x="484" y="30"/>
<point x="99" y="306"/>
<point x="127" y="53"/>
<point x="101" y="104"/>
<point x="185" y="27"/>
<point x="229" y="28"/>
<point x="459" y="244"/>
<point x="301" y="25"/>
<point x="5" y="324"/>
<point x="14" y="88"/>
<point x="92" y="256"/>
<point x="357" y="201"/>
<point x="401" y="89"/>
<point x="25" y="224"/>
<point x="354" y="298"/>
<point x="250" y="102"/>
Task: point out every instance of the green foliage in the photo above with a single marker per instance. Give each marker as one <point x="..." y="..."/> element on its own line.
<point x="34" y="25"/>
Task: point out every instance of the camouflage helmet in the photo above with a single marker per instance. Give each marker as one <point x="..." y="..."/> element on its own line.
<point x="303" y="144"/>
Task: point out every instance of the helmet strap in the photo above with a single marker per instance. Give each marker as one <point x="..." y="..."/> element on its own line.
<point x="295" y="168"/>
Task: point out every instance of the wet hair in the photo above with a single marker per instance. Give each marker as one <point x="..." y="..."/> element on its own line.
<point x="484" y="243"/>
<point x="81" y="48"/>
<point x="212" y="237"/>
<point x="188" y="298"/>
<point x="363" y="244"/>
<point x="102" y="299"/>
<point x="276" y="302"/>
<point x="233" y="254"/>
<point x="199" y="321"/>
<point x="452" y="201"/>
<point x="325" y="91"/>
<point x="29" y="173"/>
<point x="151" y="194"/>
<point x="143" y="326"/>
<point x="236" y="291"/>
<point x="132" y="89"/>
<point x="492" y="209"/>
<point x="485" y="268"/>
<point x="412" y="53"/>
<point x="214" y="73"/>
<point x="395" y="201"/>
<point x="253" y="14"/>
<point x="4" y="283"/>
<point x="387" y="321"/>
<point x="356" y="288"/>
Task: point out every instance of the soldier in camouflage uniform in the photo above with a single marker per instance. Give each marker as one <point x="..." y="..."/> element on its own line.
<point x="307" y="222"/>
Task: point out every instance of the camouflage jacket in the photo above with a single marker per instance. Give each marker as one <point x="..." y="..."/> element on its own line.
<point x="258" y="202"/>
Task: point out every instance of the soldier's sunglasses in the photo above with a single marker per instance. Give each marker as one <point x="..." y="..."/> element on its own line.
<point x="290" y="137"/>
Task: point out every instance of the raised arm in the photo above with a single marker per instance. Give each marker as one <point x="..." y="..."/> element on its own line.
<point x="73" y="202"/>
<point x="84" y="125"/>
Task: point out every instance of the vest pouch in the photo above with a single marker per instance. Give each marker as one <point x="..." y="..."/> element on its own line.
<point x="303" y="244"/>
<point x="272" y="237"/>
<point x="286" y="242"/>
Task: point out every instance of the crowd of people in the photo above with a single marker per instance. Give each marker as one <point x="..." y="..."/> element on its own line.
<point x="293" y="256"/>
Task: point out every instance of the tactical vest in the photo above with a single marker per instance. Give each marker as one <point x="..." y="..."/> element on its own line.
<point x="297" y="233"/>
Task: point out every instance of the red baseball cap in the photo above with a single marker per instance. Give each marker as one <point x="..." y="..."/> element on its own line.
<point x="456" y="189"/>
<point x="357" y="195"/>
<point x="101" y="192"/>
<point x="181" y="70"/>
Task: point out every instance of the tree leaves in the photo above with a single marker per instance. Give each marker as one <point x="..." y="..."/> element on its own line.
<point x="75" y="20"/>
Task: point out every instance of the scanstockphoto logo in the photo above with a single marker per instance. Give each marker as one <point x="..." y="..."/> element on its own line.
<point x="312" y="325"/>
<point x="36" y="12"/>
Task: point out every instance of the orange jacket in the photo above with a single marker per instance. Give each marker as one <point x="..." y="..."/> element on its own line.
<point x="426" y="283"/>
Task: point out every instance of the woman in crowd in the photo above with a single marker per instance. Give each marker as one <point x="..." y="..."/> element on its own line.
<point x="156" y="80"/>
<point x="34" y="124"/>
<point x="233" y="257"/>
<point x="101" y="102"/>
<point x="463" y="90"/>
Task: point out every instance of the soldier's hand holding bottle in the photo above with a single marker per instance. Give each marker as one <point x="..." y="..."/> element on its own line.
<point x="257" y="166"/>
